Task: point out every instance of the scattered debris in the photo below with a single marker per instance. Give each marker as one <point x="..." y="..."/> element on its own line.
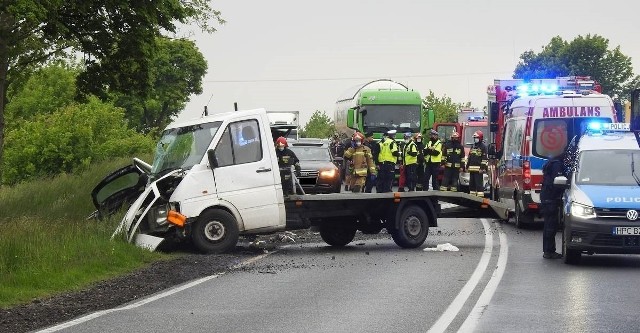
<point x="442" y="247"/>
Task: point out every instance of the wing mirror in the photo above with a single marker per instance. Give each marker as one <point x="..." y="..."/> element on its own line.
<point x="213" y="161"/>
<point x="561" y="181"/>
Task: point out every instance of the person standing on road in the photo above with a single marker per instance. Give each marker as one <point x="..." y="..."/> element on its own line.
<point x="453" y="156"/>
<point x="387" y="158"/>
<point x="551" y="201"/>
<point x="362" y="160"/>
<point x="477" y="165"/>
<point x="286" y="159"/>
<point x="432" y="161"/>
<point x="410" y="161"/>
<point x="420" y="165"/>
<point x="375" y="151"/>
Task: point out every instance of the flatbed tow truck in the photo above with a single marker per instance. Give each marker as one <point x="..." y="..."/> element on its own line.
<point x="217" y="177"/>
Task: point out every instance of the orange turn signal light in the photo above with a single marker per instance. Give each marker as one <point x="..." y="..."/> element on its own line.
<point x="176" y="218"/>
<point x="396" y="197"/>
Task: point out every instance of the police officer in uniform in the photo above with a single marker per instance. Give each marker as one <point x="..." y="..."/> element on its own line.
<point x="360" y="156"/>
<point x="420" y="165"/>
<point x="387" y="158"/>
<point x="432" y="160"/>
<point x="477" y="165"/>
<point x="286" y="159"/>
<point x="551" y="200"/>
<point x="453" y="156"/>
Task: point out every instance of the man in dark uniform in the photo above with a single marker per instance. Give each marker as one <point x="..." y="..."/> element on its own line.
<point x="453" y="156"/>
<point x="477" y="165"/>
<point x="420" y="166"/>
<point x="375" y="151"/>
<point x="551" y="200"/>
<point x="286" y="159"/>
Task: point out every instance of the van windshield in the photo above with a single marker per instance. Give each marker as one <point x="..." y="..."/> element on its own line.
<point x="551" y="136"/>
<point x="608" y="167"/>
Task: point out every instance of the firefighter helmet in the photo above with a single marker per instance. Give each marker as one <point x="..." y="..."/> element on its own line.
<point x="478" y="134"/>
<point x="434" y="133"/>
<point x="455" y="135"/>
<point x="358" y="137"/>
<point x="281" y="142"/>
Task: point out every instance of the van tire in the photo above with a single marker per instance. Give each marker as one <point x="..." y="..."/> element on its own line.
<point x="521" y="219"/>
<point x="215" y="231"/>
<point x="335" y="235"/>
<point x="412" y="229"/>
<point x="569" y="256"/>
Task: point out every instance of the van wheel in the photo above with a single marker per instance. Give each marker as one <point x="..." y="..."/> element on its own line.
<point x="215" y="231"/>
<point x="337" y="235"/>
<point x="569" y="256"/>
<point x="521" y="219"/>
<point x="412" y="229"/>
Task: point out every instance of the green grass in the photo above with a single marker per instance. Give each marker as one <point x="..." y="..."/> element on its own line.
<point x="46" y="244"/>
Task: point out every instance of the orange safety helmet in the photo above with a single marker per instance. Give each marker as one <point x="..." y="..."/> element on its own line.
<point x="282" y="142"/>
<point x="478" y="134"/>
<point x="357" y="136"/>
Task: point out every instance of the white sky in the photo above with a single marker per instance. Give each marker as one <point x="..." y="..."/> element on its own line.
<point x="302" y="55"/>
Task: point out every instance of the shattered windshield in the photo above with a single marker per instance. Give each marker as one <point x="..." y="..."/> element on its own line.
<point x="607" y="167"/>
<point x="381" y="118"/>
<point x="183" y="147"/>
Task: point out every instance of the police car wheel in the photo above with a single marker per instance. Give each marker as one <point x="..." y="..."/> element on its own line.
<point x="569" y="256"/>
<point x="215" y="231"/>
<point x="337" y="235"/>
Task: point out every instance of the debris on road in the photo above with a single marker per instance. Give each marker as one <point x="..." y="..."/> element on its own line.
<point x="442" y="248"/>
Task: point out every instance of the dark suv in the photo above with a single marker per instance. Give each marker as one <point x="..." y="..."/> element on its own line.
<point x="319" y="173"/>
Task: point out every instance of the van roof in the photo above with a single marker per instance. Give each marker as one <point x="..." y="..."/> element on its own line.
<point x="609" y="141"/>
<point x="214" y="117"/>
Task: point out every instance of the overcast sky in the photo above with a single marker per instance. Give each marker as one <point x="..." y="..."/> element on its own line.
<point x="302" y="55"/>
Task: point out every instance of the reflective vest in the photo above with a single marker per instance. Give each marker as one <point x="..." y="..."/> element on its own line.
<point x="387" y="148"/>
<point x="438" y="147"/>
<point x="410" y="147"/>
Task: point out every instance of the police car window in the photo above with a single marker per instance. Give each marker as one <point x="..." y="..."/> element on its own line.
<point x="607" y="167"/>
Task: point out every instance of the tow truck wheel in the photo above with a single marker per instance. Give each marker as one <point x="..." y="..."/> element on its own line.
<point x="521" y="219"/>
<point x="215" y="231"/>
<point x="569" y="256"/>
<point x="412" y="229"/>
<point x="337" y="235"/>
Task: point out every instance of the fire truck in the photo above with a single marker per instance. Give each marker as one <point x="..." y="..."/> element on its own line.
<point x="529" y="121"/>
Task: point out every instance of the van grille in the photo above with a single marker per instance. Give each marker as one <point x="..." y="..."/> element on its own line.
<point x="617" y="213"/>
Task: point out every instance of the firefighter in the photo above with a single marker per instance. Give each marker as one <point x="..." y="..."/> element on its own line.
<point x="477" y="164"/>
<point x="362" y="160"/>
<point x="432" y="160"/>
<point x="453" y="157"/>
<point x="410" y="161"/>
<point x="387" y="158"/>
<point x="420" y="165"/>
<point x="286" y="159"/>
<point x="375" y="151"/>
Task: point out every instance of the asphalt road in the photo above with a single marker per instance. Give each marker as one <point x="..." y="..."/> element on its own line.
<point x="496" y="282"/>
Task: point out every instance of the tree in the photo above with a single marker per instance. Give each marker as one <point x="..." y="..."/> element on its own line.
<point x="588" y="55"/>
<point x="177" y="69"/>
<point x="117" y="38"/>
<point x="319" y="126"/>
<point x="444" y="108"/>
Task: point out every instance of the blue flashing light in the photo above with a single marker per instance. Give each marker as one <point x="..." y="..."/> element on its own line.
<point x="595" y="126"/>
<point x="474" y="118"/>
<point x="535" y="88"/>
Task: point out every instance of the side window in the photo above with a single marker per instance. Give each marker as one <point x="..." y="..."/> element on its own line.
<point x="240" y="143"/>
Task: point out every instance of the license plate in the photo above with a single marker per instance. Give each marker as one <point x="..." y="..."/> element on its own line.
<point x="626" y="231"/>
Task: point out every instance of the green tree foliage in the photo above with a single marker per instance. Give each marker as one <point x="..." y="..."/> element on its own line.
<point x="444" y="108"/>
<point x="319" y="126"/>
<point x="68" y="140"/>
<point x="117" y="38"/>
<point x="177" y="69"/>
<point x="585" y="55"/>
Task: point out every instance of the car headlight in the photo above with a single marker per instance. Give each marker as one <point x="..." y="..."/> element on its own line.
<point x="160" y="214"/>
<point x="582" y="211"/>
<point x="328" y="173"/>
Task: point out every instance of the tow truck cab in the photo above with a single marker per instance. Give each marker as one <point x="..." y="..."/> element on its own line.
<point x="602" y="201"/>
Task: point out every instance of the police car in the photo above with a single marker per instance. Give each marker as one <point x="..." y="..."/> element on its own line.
<point x="602" y="200"/>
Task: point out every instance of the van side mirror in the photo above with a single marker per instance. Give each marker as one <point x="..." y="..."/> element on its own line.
<point x="213" y="161"/>
<point x="561" y="181"/>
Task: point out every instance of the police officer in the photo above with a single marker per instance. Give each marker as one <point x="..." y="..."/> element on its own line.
<point x="286" y="159"/>
<point x="387" y="158"/>
<point x="551" y="200"/>
<point x="362" y="160"/>
<point x="420" y="166"/>
<point x="477" y="164"/>
<point x="432" y="160"/>
<point x="375" y="151"/>
<point x="410" y="161"/>
<point x="453" y="156"/>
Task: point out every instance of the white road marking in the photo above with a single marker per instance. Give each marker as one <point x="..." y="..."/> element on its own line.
<point x="454" y="308"/>
<point x="153" y="298"/>
<point x="472" y="320"/>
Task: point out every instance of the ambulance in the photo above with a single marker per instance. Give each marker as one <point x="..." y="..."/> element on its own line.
<point x="531" y="121"/>
<point x="602" y="200"/>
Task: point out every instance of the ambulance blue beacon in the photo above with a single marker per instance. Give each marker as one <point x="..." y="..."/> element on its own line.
<point x="602" y="198"/>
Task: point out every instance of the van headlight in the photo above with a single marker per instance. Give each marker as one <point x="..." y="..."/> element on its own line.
<point x="159" y="215"/>
<point x="582" y="211"/>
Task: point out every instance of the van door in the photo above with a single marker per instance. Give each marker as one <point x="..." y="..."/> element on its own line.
<point x="244" y="175"/>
